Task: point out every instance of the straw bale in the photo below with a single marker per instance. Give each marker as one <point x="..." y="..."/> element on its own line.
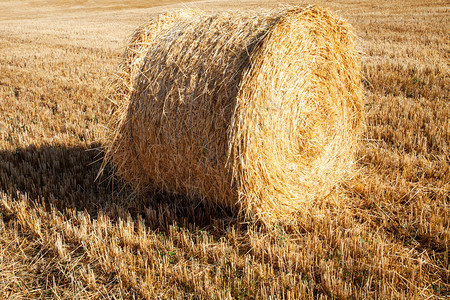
<point x="258" y="111"/>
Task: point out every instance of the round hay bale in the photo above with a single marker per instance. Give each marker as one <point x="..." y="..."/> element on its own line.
<point x="258" y="110"/>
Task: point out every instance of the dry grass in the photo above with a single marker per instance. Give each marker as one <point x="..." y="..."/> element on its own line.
<point x="258" y="110"/>
<point x="61" y="236"/>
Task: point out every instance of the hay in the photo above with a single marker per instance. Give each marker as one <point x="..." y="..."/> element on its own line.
<point x="258" y="110"/>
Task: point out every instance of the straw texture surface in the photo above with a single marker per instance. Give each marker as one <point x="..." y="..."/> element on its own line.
<point x="259" y="111"/>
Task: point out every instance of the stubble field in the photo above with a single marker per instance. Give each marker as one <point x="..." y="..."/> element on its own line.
<point x="64" y="234"/>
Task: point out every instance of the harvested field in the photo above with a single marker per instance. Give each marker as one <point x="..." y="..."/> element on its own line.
<point x="64" y="235"/>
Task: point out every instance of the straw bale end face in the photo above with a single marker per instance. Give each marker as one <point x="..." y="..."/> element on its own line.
<point x="259" y="111"/>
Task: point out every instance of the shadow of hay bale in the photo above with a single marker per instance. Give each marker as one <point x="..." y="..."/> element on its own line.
<point x="66" y="178"/>
<point x="55" y="174"/>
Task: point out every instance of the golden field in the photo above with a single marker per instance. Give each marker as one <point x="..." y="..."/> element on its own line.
<point x="64" y="234"/>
